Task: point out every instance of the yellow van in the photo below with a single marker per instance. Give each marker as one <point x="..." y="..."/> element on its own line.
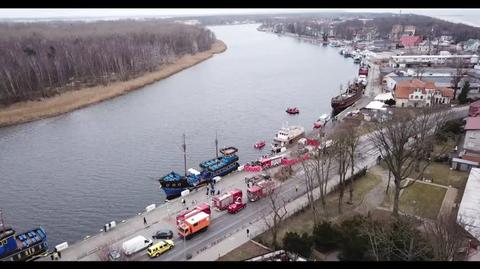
<point x="159" y="248"/>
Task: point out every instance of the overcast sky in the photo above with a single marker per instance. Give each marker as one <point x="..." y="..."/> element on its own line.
<point x="69" y="13"/>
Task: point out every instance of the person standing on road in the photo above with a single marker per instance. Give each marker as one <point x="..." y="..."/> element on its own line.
<point x="248" y="233"/>
<point x="144" y="221"/>
<point x="296" y="188"/>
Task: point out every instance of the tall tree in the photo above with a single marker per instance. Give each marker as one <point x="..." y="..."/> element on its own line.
<point x="405" y="143"/>
<point x="278" y="209"/>
<point x="463" y="96"/>
<point x="457" y="75"/>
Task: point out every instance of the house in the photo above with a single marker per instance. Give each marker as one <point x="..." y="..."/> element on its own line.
<point x="410" y="41"/>
<point x="389" y="81"/>
<point x="474" y="109"/>
<point x="471" y="145"/>
<point x="418" y="93"/>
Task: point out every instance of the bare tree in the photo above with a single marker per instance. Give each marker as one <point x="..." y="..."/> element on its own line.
<point x="309" y="176"/>
<point x="405" y="143"/>
<point x="446" y="236"/>
<point x="279" y="211"/>
<point x="43" y="59"/>
<point x="321" y="163"/>
<point x="457" y="75"/>
<point x="419" y="71"/>
<point x="351" y="141"/>
<point x="340" y="150"/>
<point x="395" y="239"/>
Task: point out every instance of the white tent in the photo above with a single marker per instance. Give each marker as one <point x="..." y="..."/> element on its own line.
<point x="384" y="97"/>
<point x="376" y="105"/>
<point x="469" y="211"/>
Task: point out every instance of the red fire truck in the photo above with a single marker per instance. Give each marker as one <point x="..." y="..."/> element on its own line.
<point x="260" y="190"/>
<point x="269" y="162"/>
<point x="221" y="202"/>
<point x="184" y="214"/>
<point x="237" y="206"/>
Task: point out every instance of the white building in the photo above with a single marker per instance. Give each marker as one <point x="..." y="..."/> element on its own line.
<point x="407" y="60"/>
<point x="417" y="93"/>
<point x="469" y="209"/>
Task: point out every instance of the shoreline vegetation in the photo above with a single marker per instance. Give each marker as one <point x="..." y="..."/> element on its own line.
<point x="27" y="111"/>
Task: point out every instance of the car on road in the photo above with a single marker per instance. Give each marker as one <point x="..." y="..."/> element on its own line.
<point x="114" y="255"/>
<point x="163" y="234"/>
<point x="160" y="248"/>
<point x="235" y="207"/>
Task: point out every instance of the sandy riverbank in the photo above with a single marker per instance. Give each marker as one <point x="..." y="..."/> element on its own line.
<point x="34" y="110"/>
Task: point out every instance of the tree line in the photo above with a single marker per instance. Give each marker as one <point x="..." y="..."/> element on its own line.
<point x="43" y="59"/>
<point x="383" y="23"/>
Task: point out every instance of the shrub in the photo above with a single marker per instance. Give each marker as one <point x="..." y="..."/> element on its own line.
<point x="300" y="245"/>
<point x="326" y="236"/>
<point x="354" y="246"/>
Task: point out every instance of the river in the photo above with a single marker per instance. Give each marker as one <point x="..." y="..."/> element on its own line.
<point x="75" y="172"/>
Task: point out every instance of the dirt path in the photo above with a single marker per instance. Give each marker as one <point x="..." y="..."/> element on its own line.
<point x="33" y="110"/>
<point x="374" y="197"/>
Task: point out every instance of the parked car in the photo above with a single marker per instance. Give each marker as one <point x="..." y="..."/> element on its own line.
<point x="160" y="248"/>
<point x="163" y="234"/>
<point x="114" y="255"/>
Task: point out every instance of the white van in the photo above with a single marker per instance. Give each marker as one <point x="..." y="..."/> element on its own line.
<point x="136" y="244"/>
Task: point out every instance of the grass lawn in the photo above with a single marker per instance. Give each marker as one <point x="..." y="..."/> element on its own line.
<point x="423" y="200"/>
<point x="303" y="220"/>
<point x="244" y="252"/>
<point x="441" y="174"/>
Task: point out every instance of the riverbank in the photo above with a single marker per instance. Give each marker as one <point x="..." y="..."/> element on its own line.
<point x="66" y="102"/>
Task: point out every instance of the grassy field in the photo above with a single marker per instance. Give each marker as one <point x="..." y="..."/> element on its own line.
<point x="441" y="174"/>
<point x="244" y="252"/>
<point x="303" y="222"/>
<point x="423" y="200"/>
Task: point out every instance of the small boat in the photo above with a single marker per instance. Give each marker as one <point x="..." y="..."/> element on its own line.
<point x="259" y="145"/>
<point x="322" y="120"/>
<point x="293" y="110"/>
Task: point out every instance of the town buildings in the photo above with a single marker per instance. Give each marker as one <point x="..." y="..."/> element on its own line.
<point x="418" y="93"/>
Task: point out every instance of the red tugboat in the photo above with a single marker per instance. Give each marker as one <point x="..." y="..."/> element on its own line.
<point x="259" y="145"/>
<point x="293" y="110"/>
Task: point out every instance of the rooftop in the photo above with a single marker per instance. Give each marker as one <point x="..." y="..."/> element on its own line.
<point x="473" y="123"/>
<point x="469" y="211"/>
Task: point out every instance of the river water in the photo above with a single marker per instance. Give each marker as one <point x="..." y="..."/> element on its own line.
<point x="75" y="172"/>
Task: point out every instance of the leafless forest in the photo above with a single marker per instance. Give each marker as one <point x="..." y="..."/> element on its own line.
<point x="43" y="59"/>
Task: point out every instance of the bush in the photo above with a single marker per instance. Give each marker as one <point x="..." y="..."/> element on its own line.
<point x="354" y="246"/>
<point x="326" y="236"/>
<point x="292" y="242"/>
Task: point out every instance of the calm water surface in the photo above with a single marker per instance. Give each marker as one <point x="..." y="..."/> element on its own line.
<point x="75" y="172"/>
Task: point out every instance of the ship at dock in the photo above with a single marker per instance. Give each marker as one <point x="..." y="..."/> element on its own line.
<point x="173" y="184"/>
<point x="353" y="93"/>
<point x="22" y="247"/>
<point x="286" y="136"/>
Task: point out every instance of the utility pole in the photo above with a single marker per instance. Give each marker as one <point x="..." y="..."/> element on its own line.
<point x="1" y="219"/>
<point x="216" y="144"/>
<point x="184" y="146"/>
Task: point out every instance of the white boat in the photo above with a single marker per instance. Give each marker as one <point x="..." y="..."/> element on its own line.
<point x="286" y="135"/>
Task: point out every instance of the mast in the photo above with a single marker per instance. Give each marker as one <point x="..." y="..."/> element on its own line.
<point x="184" y="146"/>
<point x="216" y="144"/>
<point x="1" y="219"/>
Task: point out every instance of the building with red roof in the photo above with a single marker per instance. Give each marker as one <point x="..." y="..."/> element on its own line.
<point x="418" y="93"/>
<point x="474" y="110"/>
<point x="410" y="41"/>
